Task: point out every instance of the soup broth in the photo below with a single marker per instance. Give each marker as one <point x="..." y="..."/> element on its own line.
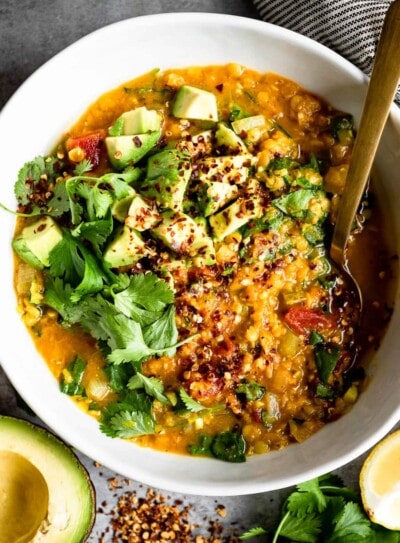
<point x="225" y="331"/>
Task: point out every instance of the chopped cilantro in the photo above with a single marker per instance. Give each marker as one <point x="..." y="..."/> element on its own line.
<point x="129" y="417"/>
<point x="227" y="446"/>
<point x="251" y="391"/>
<point x="326" y="358"/>
<point x="82" y="167"/>
<point x="190" y="404"/>
<point x="71" y="380"/>
<point x="153" y="386"/>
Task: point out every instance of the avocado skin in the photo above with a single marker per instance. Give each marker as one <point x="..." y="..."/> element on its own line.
<point x="44" y="450"/>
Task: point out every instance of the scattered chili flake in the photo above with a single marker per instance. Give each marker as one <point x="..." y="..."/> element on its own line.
<point x="154" y="517"/>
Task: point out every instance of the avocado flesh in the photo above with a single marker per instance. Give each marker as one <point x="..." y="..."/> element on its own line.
<point x="229" y="140"/>
<point x="194" y="103"/>
<point x="65" y="513"/>
<point x="24" y="498"/>
<point x="126" y="150"/>
<point x="141" y="120"/>
<point x="248" y="123"/>
<point x="168" y="174"/>
<point x="125" y="249"/>
<point x="37" y="240"/>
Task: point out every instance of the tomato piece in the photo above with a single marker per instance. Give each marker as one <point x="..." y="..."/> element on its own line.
<point x="225" y="347"/>
<point x="303" y="320"/>
<point x="90" y="144"/>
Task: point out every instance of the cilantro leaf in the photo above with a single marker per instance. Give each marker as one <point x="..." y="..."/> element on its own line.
<point x="71" y="260"/>
<point x="295" y="203"/>
<point x="92" y="280"/>
<point x="30" y="171"/>
<point x="83" y="166"/>
<point x="147" y="291"/>
<point x="251" y="390"/>
<point x="67" y="261"/>
<point x="379" y="534"/>
<point x="118" y="183"/>
<point x="58" y="296"/>
<point x="153" y="386"/>
<point x="314" y="494"/>
<point x="162" y="334"/>
<point x="119" y="375"/>
<point x="129" y="417"/>
<point x="227" y="446"/>
<point x="326" y="358"/>
<point x="31" y="177"/>
<point x="96" y="231"/>
<point x="59" y="202"/>
<point x="127" y="424"/>
<point x="305" y="529"/>
<point x="189" y="402"/>
<point x="351" y="525"/>
<point x="126" y="340"/>
<point x="202" y="447"/>
<point x="323" y="510"/>
<point x="97" y="200"/>
<point x="253" y="532"/>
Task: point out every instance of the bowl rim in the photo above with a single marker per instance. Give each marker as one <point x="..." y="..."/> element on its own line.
<point x="52" y="419"/>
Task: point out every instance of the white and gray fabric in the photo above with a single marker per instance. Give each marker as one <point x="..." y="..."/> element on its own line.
<point x="349" y="27"/>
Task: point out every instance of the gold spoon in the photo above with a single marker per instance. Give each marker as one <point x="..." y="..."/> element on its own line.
<point x="381" y="90"/>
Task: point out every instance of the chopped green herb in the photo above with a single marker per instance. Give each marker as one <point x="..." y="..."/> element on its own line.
<point x="227" y="446"/>
<point x="323" y="510"/>
<point x="153" y="386"/>
<point x="326" y="358"/>
<point x="71" y="380"/>
<point x="252" y="391"/>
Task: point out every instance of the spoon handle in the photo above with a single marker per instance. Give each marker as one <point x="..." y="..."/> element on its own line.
<point x="381" y="90"/>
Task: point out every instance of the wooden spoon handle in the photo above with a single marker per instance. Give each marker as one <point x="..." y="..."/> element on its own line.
<point x="381" y="90"/>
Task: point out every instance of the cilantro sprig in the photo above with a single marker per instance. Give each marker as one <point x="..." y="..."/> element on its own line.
<point x="131" y="316"/>
<point x="323" y="510"/>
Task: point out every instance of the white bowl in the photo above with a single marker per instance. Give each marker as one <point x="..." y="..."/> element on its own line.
<point x="52" y="99"/>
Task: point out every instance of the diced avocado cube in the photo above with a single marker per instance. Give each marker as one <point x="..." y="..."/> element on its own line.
<point x="125" y="249"/>
<point x="127" y="150"/>
<point x="213" y="195"/>
<point x="226" y="169"/>
<point x="142" y="214"/>
<point x="197" y="145"/>
<point x="119" y="209"/>
<point x="36" y="241"/>
<point x="194" y="103"/>
<point x="237" y="214"/>
<point x="228" y="140"/>
<point x="182" y="234"/>
<point x="248" y="123"/>
<point x="137" y="121"/>
<point x="168" y="173"/>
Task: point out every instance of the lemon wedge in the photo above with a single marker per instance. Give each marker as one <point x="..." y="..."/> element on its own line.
<point x="380" y="483"/>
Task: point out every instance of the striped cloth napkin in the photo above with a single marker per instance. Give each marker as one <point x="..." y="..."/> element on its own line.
<point x="349" y="27"/>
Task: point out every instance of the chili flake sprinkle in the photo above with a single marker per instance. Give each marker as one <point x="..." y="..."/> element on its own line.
<point x="155" y="518"/>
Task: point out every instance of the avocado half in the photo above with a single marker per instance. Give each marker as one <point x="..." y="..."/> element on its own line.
<point x="45" y="492"/>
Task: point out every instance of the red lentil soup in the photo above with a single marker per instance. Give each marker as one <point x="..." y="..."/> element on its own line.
<point x="187" y="300"/>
